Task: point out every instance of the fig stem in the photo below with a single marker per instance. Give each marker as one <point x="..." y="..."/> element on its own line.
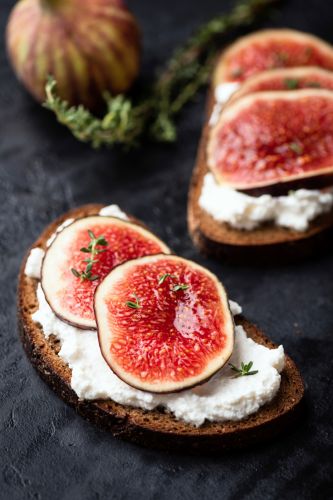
<point x="126" y="122"/>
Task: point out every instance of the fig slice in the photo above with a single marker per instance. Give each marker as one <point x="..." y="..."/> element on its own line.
<point x="285" y="79"/>
<point x="71" y="296"/>
<point x="164" y="323"/>
<point x="268" y="49"/>
<point x="270" y="138"/>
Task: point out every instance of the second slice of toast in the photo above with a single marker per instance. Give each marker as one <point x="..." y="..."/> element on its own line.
<point x="266" y="241"/>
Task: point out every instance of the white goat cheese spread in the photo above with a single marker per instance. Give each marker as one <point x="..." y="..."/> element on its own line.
<point x="223" y="397"/>
<point x="34" y="263"/>
<point x="235" y="308"/>
<point x="222" y="93"/>
<point x="241" y="211"/>
<point x="113" y="211"/>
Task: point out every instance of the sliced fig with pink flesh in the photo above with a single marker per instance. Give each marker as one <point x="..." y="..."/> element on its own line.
<point x="68" y="285"/>
<point x="268" y="138"/>
<point x="164" y="323"/>
<point x="285" y="79"/>
<point x="270" y="49"/>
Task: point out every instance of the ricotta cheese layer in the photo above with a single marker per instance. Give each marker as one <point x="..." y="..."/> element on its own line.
<point x="223" y="397"/>
<point x="241" y="211"/>
<point x="222" y="94"/>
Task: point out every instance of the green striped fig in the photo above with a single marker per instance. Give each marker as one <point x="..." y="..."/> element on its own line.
<point x="89" y="46"/>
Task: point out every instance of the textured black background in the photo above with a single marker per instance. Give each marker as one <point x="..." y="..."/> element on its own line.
<point x="47" y="451"/>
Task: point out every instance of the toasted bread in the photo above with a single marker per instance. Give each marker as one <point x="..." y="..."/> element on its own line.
<point x="155" y="428"/>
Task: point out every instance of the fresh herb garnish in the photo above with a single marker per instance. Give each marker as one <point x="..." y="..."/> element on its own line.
<point x="314" y="85"/>
<point x="127" y="121"/>
<point x="237" y="72"/>
<point x="281" y="57"/>
<point x="244" y="370"/>
<point x="90" y="261"/>
<point x="291" y="83"/>
<point x="296" y="147"/>
<point x="132" y="304"/>
<point x="164" y="277"/>
<point x="180" y="286"/>
<point x="175" y="288"/>
<point x="308" y="52"/>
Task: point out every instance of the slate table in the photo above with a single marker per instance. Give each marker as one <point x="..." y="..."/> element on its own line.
<point x="47" y="451"/>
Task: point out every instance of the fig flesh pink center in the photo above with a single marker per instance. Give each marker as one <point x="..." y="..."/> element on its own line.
<point x="181" y="331"/>
<point x="271" y="137"/>
<point x="71" y="295"/>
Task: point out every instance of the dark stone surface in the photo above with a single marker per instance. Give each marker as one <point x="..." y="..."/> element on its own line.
<point x="49" y="452"/>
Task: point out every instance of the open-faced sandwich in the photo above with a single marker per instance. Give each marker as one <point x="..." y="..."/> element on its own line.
<point x="264" y="173"/>
<point x="145" y="343"/>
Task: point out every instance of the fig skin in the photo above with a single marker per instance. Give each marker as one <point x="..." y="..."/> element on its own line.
<point x="89" y="46"/>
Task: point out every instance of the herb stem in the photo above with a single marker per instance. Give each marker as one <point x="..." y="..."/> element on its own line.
<point x="90" y="261"/>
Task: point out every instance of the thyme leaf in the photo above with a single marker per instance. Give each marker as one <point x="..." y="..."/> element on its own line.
<point x="296" y="147"/>
<point x="175" y="288"/>
<point x="180" y="286"/>
<point x="291" y="83"/>
<point x="76" y="273"/>
<point x="244" y="370"/>
<point x="164" y="277"/>
<point x="90" y="261"/>
<point x="314" y="85"/>
<point x="281" y="57"/>
<point x="132" y="304"/>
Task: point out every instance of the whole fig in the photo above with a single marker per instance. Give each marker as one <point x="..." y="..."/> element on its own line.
<point x="89" y="46"/>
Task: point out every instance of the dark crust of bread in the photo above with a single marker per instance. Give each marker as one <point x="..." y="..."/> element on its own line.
<point x="265" y="242"/>
<point x="155" y="428"/>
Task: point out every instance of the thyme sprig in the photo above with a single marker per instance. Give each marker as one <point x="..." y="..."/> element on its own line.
<point x="175" y="288"/>
<point x="127" y="122"/>
<point x="244" y="370"/>
<point x="296" y="148"/>
<point x="291" y="83"/>
<point x="90" y="261"/>
<point x="180" y="286"/>
<point x="164" y="277"/>
<point x="132" y="304"/>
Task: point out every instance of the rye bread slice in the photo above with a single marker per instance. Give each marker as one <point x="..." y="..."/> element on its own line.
<point x="264" y="242"/>
<point x="155" y="428"/>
